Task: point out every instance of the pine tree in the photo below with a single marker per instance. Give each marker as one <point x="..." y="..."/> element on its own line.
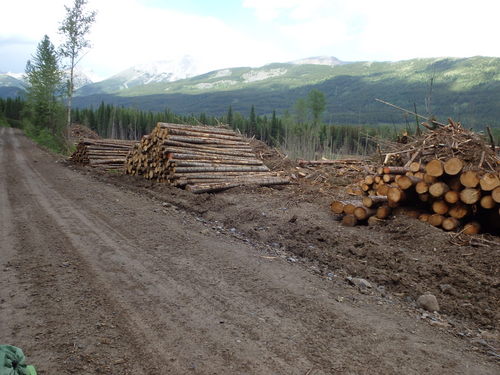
<point x="230" y="115"/>
<point x="275" y="129"/>
<point x="75" y="27"/>
<point x="252" y="127"/>
<point x="317" y="104"/>
<point x="44" y="82"/>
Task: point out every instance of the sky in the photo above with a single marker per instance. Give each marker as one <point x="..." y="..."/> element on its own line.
<point x="228" y="33"/>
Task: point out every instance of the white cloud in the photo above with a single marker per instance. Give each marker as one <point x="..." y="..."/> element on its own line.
<point x="384" y="29"/>
<point x="130" y="32"/>
<point x="127" y="33"/>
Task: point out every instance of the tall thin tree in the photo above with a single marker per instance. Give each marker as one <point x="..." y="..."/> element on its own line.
<point x="44" y="80"/>
<point x="75" y="28"/>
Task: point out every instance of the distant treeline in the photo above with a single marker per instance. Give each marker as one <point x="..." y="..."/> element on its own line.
<point x="295" y="132"/>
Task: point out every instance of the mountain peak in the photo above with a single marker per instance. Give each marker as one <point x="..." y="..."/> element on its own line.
<point x="159" y="71"/>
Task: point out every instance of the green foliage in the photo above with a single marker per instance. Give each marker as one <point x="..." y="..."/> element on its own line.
<point x="316" y="102"/>
<point x="44" y="137"/>
<point x="3" y="122"/>
<point x="44" y="78"/>
<point x="75" y="28"/>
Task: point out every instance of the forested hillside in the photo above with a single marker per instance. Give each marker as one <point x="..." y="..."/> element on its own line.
<point x="465" y="89"/>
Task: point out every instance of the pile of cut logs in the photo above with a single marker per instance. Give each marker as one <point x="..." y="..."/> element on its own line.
<point x="199" y="158"/>
<point x="104" y="154"/>
<point x="447" y="192"/>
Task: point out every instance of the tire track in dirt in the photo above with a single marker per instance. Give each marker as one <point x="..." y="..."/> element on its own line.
<point x="10" y="302"/>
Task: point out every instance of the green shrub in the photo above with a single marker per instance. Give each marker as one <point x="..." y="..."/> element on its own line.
<point x="44" y="137"/>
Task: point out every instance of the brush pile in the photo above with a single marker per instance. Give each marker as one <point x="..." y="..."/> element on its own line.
<point x="105" y="154"/>
<point x="199" y="158"/>
<point x="78" y="131"/>
<point x="448" y="177"/>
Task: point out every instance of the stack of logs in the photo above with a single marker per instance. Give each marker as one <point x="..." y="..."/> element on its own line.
<point x="438" y="192"/>
<point x="199" y="158"/>
<point x="104" y="154"/>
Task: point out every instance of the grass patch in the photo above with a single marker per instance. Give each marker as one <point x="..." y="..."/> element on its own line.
<point x="45" y="138"/>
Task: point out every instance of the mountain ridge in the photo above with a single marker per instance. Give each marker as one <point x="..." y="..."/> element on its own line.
<point x="463" y="88"/>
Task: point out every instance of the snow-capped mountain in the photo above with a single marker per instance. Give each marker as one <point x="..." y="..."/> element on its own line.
<point x="159" y="71"/>
<point x="11" y="80"/>
<point x="80" y="78"/>
<point x="319" y="60"/>
<point x="143" y="74"/>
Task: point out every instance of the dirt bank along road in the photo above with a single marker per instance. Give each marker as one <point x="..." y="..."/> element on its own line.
<point x="98" y="279"/>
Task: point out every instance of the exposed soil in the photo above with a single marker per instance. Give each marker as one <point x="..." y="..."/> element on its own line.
<point x="108" y="274"/>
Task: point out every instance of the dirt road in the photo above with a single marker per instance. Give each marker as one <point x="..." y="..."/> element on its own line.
<point x="101" y="280"/>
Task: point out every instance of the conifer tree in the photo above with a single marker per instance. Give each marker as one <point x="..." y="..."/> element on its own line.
<point x="44" y="82"/>
<point x="230" y="115"/>
<point x="317" y="104"/>
<point x="252" y="127"/>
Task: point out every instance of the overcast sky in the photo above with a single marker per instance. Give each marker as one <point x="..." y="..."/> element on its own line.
<point x="229" y="33"/>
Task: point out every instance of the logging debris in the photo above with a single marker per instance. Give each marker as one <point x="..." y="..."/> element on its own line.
<point x="200" y="159"/>
<point x="448" y="177"/>
<point x="78" y="132"/>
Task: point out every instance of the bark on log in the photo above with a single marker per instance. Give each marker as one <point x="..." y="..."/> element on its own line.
<point x="220" y="169"/>
<point x="395" y="170"/>
<point x="197" y="128"/>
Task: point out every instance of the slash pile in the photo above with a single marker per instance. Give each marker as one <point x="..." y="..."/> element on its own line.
<point x="104" y="154"/>
<point x="199" y="158"/>
<point x="449" y="178"/>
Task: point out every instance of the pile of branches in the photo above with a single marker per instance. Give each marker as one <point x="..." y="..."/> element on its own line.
<point x="444" y="142"/>
<point x="199" y="158"/>
<point x="448" y="177"/>
<point x="77" y="131"/>
<point x="105" y="154"/>
<point x="331" y="173"/>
